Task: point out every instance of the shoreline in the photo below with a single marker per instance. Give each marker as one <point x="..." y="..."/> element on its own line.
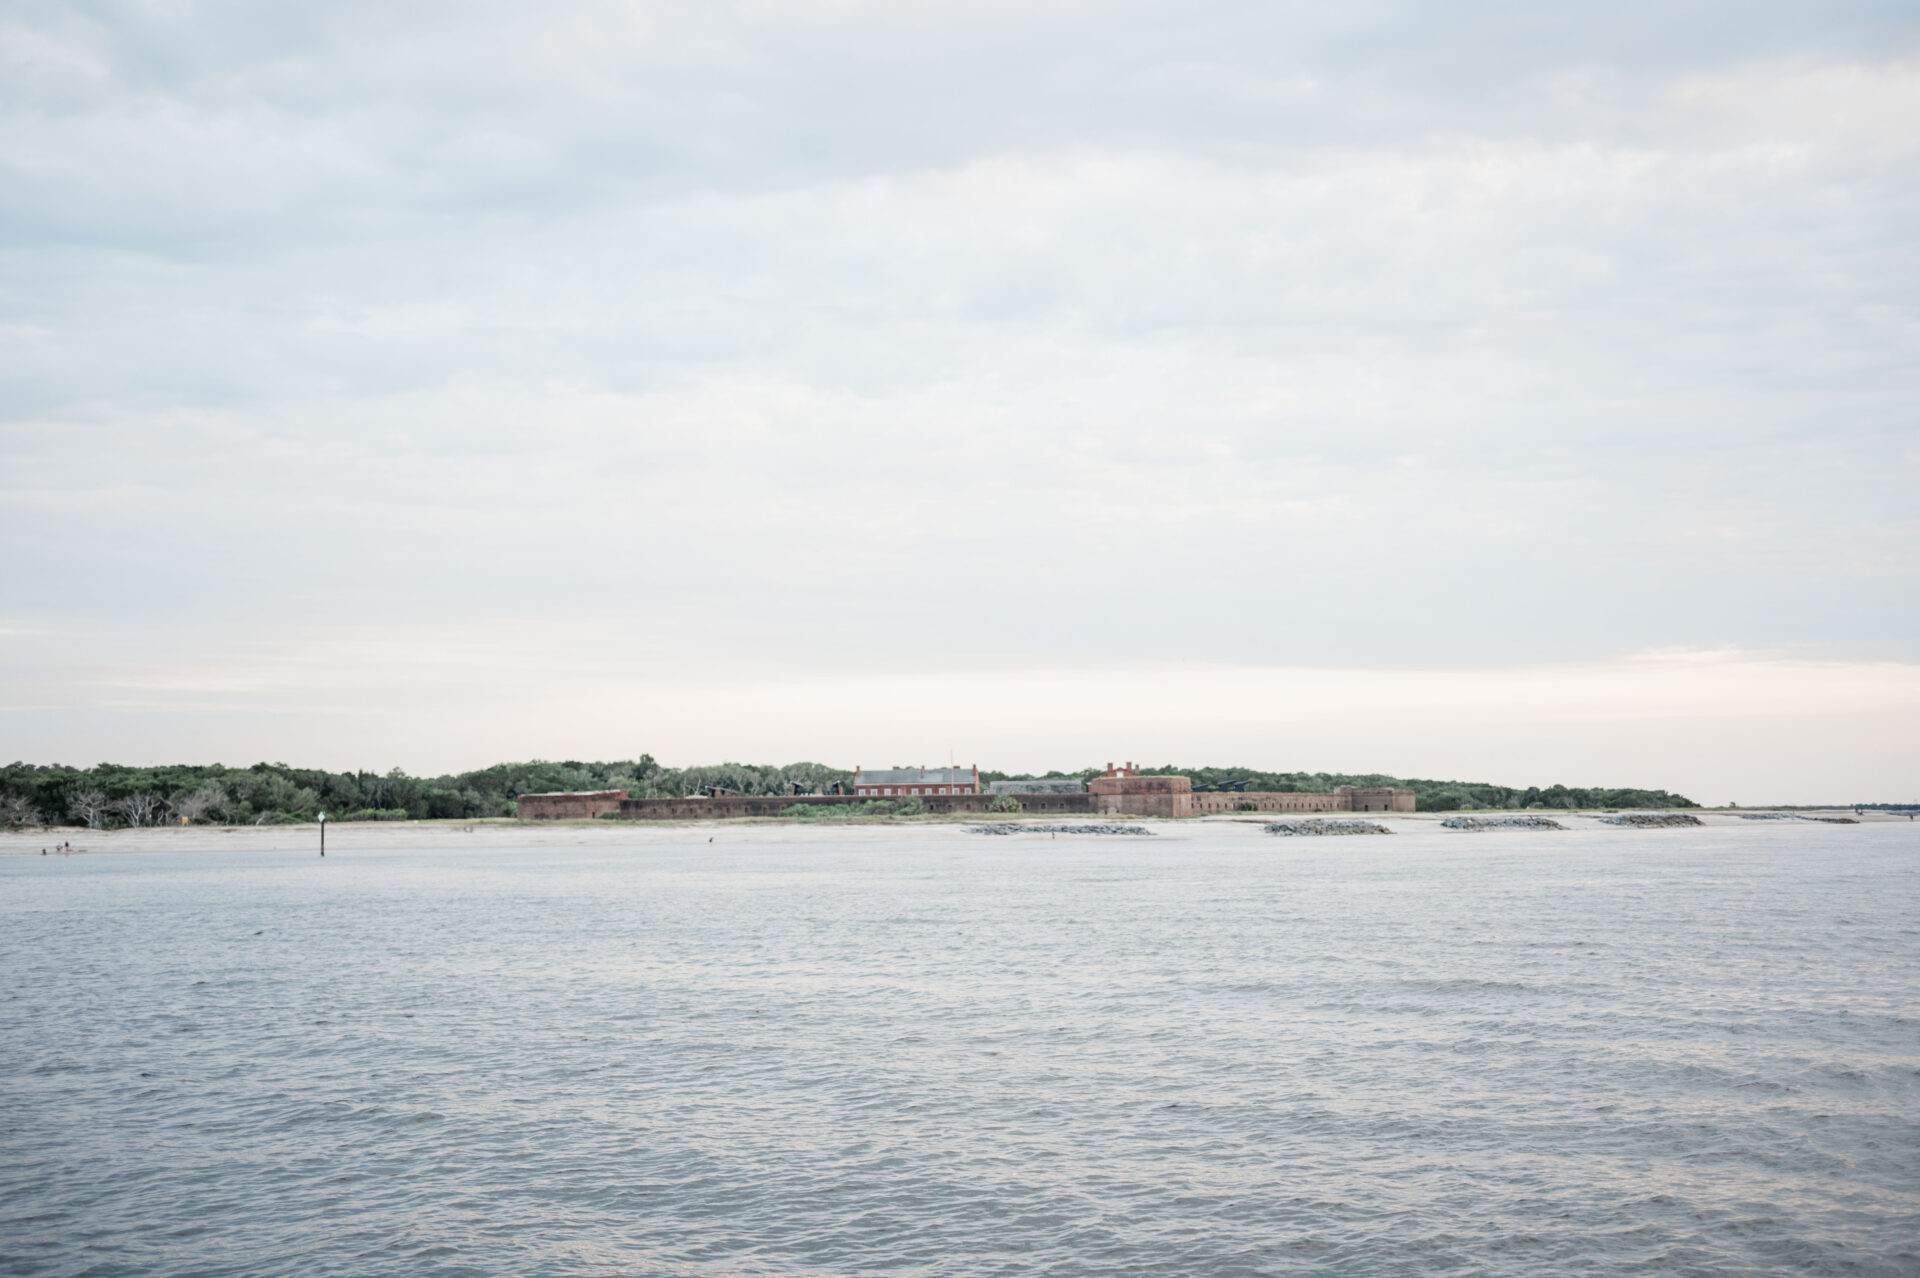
<point x="505" y="832"/>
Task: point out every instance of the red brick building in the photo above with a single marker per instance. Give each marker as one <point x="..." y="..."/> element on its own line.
<point x="1124" y="790"/>
<point x="568" y="805"/>
<point x="1375" y="798"/>
<point x="895" y="783"/>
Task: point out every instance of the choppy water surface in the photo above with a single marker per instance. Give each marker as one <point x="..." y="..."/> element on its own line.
<point x="1212" y="1052"/>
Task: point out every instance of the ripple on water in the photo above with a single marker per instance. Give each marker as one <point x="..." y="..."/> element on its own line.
<point x="924" y="1054"/>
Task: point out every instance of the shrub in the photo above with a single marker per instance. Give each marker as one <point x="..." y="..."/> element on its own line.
<point x="1006" y="803"/>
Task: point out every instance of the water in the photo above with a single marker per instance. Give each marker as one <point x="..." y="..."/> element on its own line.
<point x="819" y="1052"/>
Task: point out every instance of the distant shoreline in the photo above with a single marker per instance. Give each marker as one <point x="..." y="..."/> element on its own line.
<point x="507" y="832"/>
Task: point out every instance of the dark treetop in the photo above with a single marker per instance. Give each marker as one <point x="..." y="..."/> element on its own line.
<point x="112" y="795"/>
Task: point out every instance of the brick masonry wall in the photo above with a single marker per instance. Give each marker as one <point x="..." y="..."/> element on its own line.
<point x="1379" y="799"/>
<point x="567" y="807"/>
<point x="1149" y="797"/>
<point x="734" y="805"/>
<point x="1145" y="805"/>
<point x="1031" y="804"/>
<point x="1050" y="804"/>
<point x="1211" y="803"/>
<point x="721" y="807"/>
<point x="1367" y="799"/>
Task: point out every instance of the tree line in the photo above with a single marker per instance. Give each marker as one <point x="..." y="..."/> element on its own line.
<point x="113" y="796"/>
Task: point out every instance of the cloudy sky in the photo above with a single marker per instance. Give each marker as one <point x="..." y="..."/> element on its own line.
<point x="1485" y="390"/>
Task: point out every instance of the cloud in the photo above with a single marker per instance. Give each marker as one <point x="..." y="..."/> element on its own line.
<point x="1717" y="725"/>
<point x="810" y="335"/>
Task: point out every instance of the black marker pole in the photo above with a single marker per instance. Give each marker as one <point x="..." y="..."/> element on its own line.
<point x="323" y="834"/>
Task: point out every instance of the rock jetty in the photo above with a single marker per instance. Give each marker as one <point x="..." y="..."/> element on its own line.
<point x="1058" y="829"/>
<point x="1651" y="818"/>
<point x="1794" y="816"/>
<point x="1501" y="823"/>
<point x="1325" y="827"/>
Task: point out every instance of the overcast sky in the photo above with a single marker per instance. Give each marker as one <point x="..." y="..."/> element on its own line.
<point x="1517" y="392"/>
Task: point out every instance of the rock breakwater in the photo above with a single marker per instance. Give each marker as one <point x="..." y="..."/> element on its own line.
<point x="1325" y="827"/>
<point x="1644" y="819"/>
<point x="1501" y="823"/>
<point x="1794" y="816"/>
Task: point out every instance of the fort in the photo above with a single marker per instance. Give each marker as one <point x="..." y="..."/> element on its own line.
<point x="569" y="805"/>
<point x="1119" y="791"/>
<point x="722" y="806"/>
<point x="1136" y="795"/>
<point x="1346" y="798"/>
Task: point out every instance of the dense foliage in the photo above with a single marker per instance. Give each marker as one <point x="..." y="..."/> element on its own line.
<point x="112" y="795"/>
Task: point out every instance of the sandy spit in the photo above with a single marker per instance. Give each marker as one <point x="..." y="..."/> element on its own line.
<point x="457" y="835"/>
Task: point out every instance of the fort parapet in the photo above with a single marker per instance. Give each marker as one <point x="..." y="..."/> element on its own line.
<point x="1376" y="798"/>
<point x="568" y="805"/>
<point x="723" y="806"/>
<point x="1121" y="791"/>
<point x="726" y="806"/>
<point x="1124" y="790"/>
<point x="1346" y="798"/>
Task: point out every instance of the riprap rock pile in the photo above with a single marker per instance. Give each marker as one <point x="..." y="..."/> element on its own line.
<point x="1651" y="818"/>
<point x="1325" y="827"/>
<point x="1794" y="816"/>
<point x="1501" y="823"/>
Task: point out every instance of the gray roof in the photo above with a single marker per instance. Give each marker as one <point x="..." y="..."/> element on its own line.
<point x="914" y="776"/>
<point x="1036" y="787"/>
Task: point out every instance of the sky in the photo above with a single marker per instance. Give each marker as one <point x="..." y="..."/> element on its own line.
<point x="1487" y="390"/>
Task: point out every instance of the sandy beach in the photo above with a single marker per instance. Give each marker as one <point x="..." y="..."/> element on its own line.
<point x="456" y="835"/>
